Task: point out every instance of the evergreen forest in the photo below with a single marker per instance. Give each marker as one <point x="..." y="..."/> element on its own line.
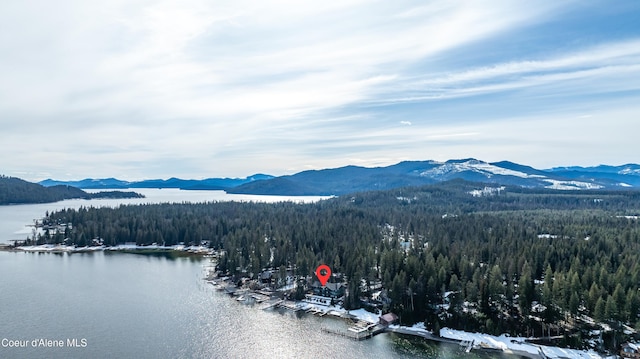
<point x="458" y="254"/>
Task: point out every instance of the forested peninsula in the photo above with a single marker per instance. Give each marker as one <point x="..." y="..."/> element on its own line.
<point x="456" y="254"/>
<point x="17" y="191"/>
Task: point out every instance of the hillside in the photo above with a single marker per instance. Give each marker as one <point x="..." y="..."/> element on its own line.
<point x="17" y="191"/>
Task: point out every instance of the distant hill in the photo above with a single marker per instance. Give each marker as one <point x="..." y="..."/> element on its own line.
<point x="110" y="183"/>
<point x="333" y="182"/>
<point x="348" y="179"/>
<point x="205" y="184"/>
<point x="17" y="191"/>
<point x="628" y="175"/>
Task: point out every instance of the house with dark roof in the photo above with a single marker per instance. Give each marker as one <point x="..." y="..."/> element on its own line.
<point x="331" y="290"/>
<point x="266" y="277"/>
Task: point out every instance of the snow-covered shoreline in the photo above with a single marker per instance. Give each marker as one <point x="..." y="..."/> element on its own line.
<point x="472" y="341"/>
<point x="53" y="248"/>
<point x="515" y="345"/>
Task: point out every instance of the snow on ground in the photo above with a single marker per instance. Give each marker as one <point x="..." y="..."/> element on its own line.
<point x="63" y="248"/>
<point x="487" y="191"/>
<point x="417" y="328"/>
<point x="319" y="308"/>
<point x="555" y="352"/>
<point x="570" y="185"/>
<point x="339" y="311"/>
<point x="476" y="166"/>
<point x="628" y="217"/>
<point x="629" y="171"/>
<point x="287" y="287"/>
<point x="517" y="344"/>
<point x="366" y="316"/>
<point x="50" y="248"/>
<point x="547" y="236"/>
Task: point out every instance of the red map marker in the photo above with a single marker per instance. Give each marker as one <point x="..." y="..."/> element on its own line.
<point x="323" y="272"/>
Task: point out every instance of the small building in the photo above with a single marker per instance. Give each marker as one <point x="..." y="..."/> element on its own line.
<point x="316" y="299"/>
<point x="265" y="277"/>
<point x="388" y="319"/>
<point x="630" y="350"/>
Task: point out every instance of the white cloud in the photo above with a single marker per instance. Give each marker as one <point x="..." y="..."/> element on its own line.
<point x="604" y="67"/>
<point x="230" y="88"/>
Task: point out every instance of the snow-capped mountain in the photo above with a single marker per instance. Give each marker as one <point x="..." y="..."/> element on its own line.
<point x="411" y="173"/>
<point x="504" y="173"/>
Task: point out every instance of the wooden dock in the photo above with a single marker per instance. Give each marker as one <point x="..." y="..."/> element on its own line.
<point x="355" y="332"/>
<point x="425" y="335"/>
<point x="347" y="333"/>
<point x="260" y="297"/>
<point x="272" y="304"/>
<point x="287" y="304"/>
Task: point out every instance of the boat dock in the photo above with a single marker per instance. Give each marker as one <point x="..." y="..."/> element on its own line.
<point x="316" y="311"/>
<point x="272" y="304"/>
<point x="356" y="332"/>
<point x="287" y="304"/>
<point x="423" y="334"/>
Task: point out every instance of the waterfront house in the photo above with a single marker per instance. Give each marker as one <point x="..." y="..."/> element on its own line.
<point x="630" y="350"/>
<point x="331" y="290"/>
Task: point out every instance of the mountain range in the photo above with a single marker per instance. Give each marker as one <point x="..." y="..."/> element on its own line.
<point x="339" y="181"/>
<point x="187" y="184"/>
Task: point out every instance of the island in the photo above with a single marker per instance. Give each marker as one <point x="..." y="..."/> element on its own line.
<point x="17" y="191"/>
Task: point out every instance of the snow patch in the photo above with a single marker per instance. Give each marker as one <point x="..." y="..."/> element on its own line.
<point x="487" y="191"/>
<point x="570" y="185"/>
<point x="629" y="171"/>
<point x="484" y="168"/>
<point x="516" y="344"/>
<point x="366" y="316"/>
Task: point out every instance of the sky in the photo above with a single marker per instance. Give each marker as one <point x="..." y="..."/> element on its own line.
<point x="139" y="89"/>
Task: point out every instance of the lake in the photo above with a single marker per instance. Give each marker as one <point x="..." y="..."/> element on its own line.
<point x="103" y="304"/>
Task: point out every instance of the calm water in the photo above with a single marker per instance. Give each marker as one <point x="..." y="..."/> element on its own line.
<point x="133" y="306"/>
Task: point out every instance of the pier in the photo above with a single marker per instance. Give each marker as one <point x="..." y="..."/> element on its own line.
<point x="356" y="334"/>
<point x="422" y="334"/>
<point x="272" y="304"/>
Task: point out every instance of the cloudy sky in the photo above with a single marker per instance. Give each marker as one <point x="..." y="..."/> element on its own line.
<point x="140" y="89"/>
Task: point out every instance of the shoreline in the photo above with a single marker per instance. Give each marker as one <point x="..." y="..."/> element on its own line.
<point x="52" y="248"/>
<point x="365" y="325"/>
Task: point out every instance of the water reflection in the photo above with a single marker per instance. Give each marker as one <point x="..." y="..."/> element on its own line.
<point x="149" y="306"/>
<point x="161" y="254"/>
